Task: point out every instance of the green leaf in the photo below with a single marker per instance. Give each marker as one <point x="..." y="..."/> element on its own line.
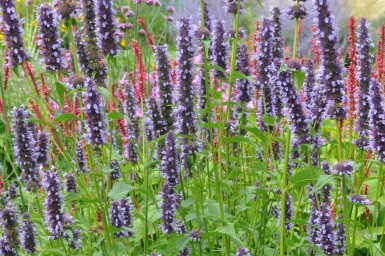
<point x="322" y="181"/>
<point x="120" y="190"/>
<point x="60" y="89"/>
<point x="268" y="120"/>
<point x="181" y="243"/>
<point x="104" y="92"/>
<point x="305" y="176"/>
<point x="38" y="121"/>
<point x="65" y="118"/>
<point x="218" y="68"/>
<point x="298" y="77"/>
<point x="114" y="115"/>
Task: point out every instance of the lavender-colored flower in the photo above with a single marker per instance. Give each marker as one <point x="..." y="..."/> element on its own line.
<point x="297" y="11"/>
<point x="180" y="227"/>
<point x="70" y="183"/>
<point x="10" y="239"/>
<point x="207" y="19"/>
<point x="12" y="33"/>
<point x="170" y="163"/>
<point x="232" y="6"/>
<point x="332" y="67"/>
<point x="219" y="48"/>
<point x="42" y="148"/>
<point x="130" y="146"/>
<point x="24" y="148"/>
<point x="241" y="251"/>
<point x="344" y="167"/>
<point x="340" y="237"/>
<point x="265" y="69"/>
<point x="108" y="42"/>
<point x="155" y="125"/>
<point x="244" y="92"/>
<point x="64" y="9"/>
<point x="27" y="235"/>
<point x="325" y="166"/>
<point x="126" y="209"/>
<point x="308" y="86"/>
<point x="318" y="102"/>
<point x="81" y="52"/>
<point x="313" y="217"/>
<point x="94" y="113"/>
<point x="325" y="233"/>
<point x="294" y="64"/>
<point x="169" y="205"/>
<point x="196" y="235"/>
<point x="358" y="199"/>
<point x="277" y="43"/>
<point x="80" y="157"/>
<point x="49" y="42"/>
<point x="184" y="252"/>
<point x="288" y="211"/>
<point x="377" y="119"/>
<point x="74" y="239"/>
<point x="12" y="191"/>
<point x="365" y="59"/>
<point x="116" y="172"/>
<point x="53" y="203"/>
<point x="116" y="216"/>
<point x="164" y="83"/>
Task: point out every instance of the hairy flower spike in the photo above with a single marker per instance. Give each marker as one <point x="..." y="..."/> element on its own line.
<point x="340" y="237"/>
<point x="126" y="209"/>
<point x="116" y="172"/>
<point x="28" y="234"/>
<point x="377" y="119"/>
<point x="12" y="33"/>
<point x="219" y="48"/>
<point x="332" y="70"/>
<point x="297" y="11"/>
<point x="325" y="234"/>
<point x="94" y="113"/>
<point x="241" y="251"/>
<point x="80" y="157"/>
<point x="155" y="125"/>
<point x="364" y="76"/>
<point x="169" y="205"/>
<point x="10" y="240"/>
<point x="42" y="148"/>
<point x="351" y="79"/>
<point x="140" y="85"/>
<point x="244" y="92"/>
<point x="49" y="42"/>
<point x="53" y="203"/>
<point x="277" y="44"/>
<point x="24" y="148"/>
<point x="170" y="162"/>
<point x="108" y="42"/>
<point x="70" y="183"/>
<point x="232" y="6"/>
<point x="165" y="86"/>
<point x="116" y="217"/>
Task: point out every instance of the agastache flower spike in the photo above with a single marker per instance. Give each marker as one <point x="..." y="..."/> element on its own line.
<point x="116" y="172"/>
<point x="155" y="124"/>
<point x="241" y="251"/>
<point x="169" y="205"/>
<point x="332" y="70"/>
<point x="126" y="209"/>
<point x="219" y="48"/>
<point x="325" y="233"/>
<point x="70" y="183"/>
<point x="308" y="86"/>
<point x="79" y="152"/>
<point x="108" y="42"/>
<point x="377" y="119"/>
<point x="10" y="240"/>
<point x="42" y="148"/>
<point x="94" y="113"/>
<point x="265" y="68"/>
<point x="116" y="217"/>
<point x="53" y="203"/>
<point x="207" y="17"/>
<point x="277" y="44"/>
<point x="340" y="237"/>
<point x="12" y="33"/>
<point x="365" y="59"/>
<point x="170" y="163"/>
<point x="49" y="42"/>
<point x="243" y="85"/>
<point x="164" y="83"/>
<point x="24" y="148"/>
<point x="27" y="235"/>
<point x="232" y="6"/>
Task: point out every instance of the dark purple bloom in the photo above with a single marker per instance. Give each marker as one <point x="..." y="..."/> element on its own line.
<point x="130" y="146"/>
<point x="80" y="157"/>
<point x="10" y="239"/>
<point x="116" y="216"/>
<point x="27" y="235"/>
<point x="116" y="172"/>
<point x="340" y="236"/>
<point x="318" y="102"/>
<point x="94" y="113"/>
<point x="184" y="252"/>
<point x="308" y="86"/>
<point x="219" y="48"/>
<point x="325" y="232"/>
<point x="325" y="166"/>
<point x="164" y="83"/>
<point x="53" y="203"/>
<point x="196" y="235"/>
<point x="170" y="161"/>
<point x="126" y="211"/>
<point x="180" y="227"/>
<point x="12" y="33"/>
<point x="70" y="183"/>
<point x="207" y="24"/>
<point x="169" y="205"/>
<point x="313" y="217"/>
<point x="344" y="167"/>
<point x="155" y="126"/>
<point x="42" y="148"/>
<point x="24" y="148"/>
<point x="377" y="119"/>
<point x="294" y="64"/>
<point x="365" y="59"/>
<point x="241" y="251"/>
<point x="244" y="92"/>
<point x="81" y="51"/>
<point x="232" y="6"/>
<point x="297" y="11"/>
<point x="358" y="199"/>
<point x="277" y="43"/>
<point x="49" y="42"/>
<point x="331" y="65"/>
<point x="106" y="27"/>
<point x="12" y="191"/>
<point x="288" y="211"/>
<point x="265" y="69"/>
<point x="64" y="9"/>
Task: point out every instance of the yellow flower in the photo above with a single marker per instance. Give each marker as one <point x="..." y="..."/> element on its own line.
<point x="63" y="28"/>
<point x="123" y="42"/>
<point x="34" y="23"/>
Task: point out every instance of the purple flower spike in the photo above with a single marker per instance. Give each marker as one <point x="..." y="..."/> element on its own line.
<point x="94" y="113"/>
<point x="170" y="162"/>
<point x="70" y="183"/>
<point x="196" y="235"/>
<point x="297" y="11"/>
<point x="365" y="59"/>
<point x="12" y="33"/>
<point x="377" y="120"/>
<point x="308" y="86"/>
<point x="80" y="157"/>
<point x="232" y="6"/>
<point x="207" y="18"/>
<point x="126" y="209"/>
<point x="169" y="205"/>
<point x="325" y="234"/>
<point x="278" y="39"/>
<point x="24" y="148"/>
<point x="49" y="42"/>
<point x="10" y="239"/>
<point x="340" y="236"/>
<point x="155" y="125"/>
<point x="116" y="172"/>
<point x="265" y="69"/>
<point x="332" y="67"/>
<point x="53" y="203"/>
<point x="242" y="252"/>
<point x="28" y="234"/>
<point x="344" y="167"/>
<point x="184" y="252"/>
<point x="244" y="92"/>
<point x="219" y="48"/>
<point x="42" y="150"/>
<point x="116" y="217"/>
<point x="358" y="199"/>
<point x="165" y="86"/>
<point x="108" y="42"/>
